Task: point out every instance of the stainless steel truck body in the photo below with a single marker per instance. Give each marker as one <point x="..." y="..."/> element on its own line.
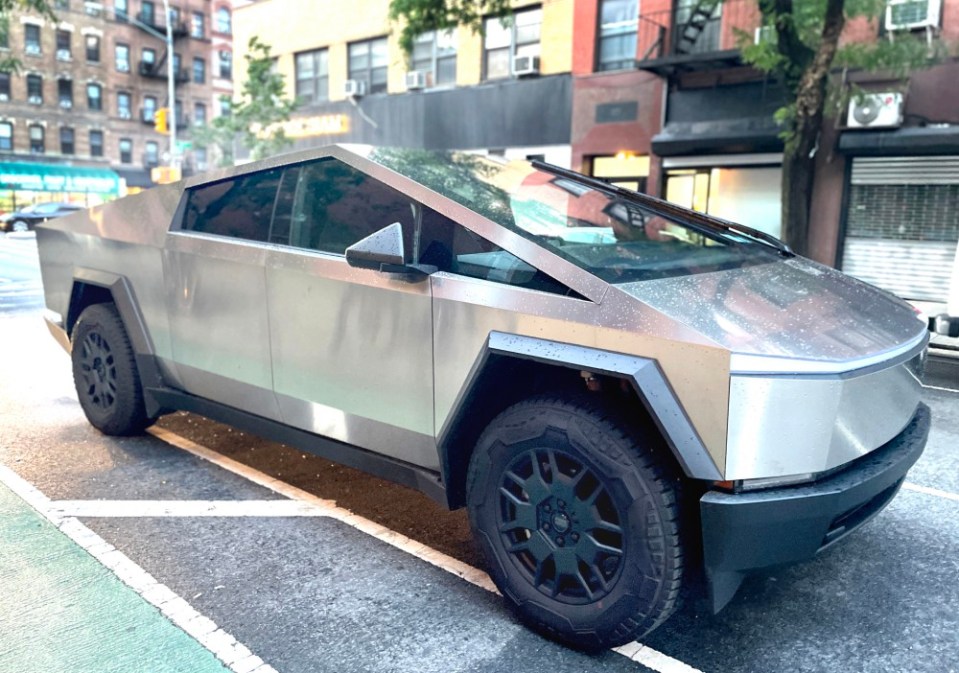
<point x="608" y="382"/>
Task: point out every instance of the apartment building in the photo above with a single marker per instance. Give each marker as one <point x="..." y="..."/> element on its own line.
<point x="507" y="92"/>
<point x="77" y="117"/>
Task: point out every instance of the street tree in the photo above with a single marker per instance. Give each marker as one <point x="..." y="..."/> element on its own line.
<point x="254" y="118"/>
<point x="803" y="53"/>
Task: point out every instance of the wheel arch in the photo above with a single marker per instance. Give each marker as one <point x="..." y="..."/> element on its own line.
<point x="533" y="365"/>
<point x="91" y="286"/>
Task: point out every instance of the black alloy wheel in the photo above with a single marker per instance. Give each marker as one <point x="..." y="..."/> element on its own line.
<point x="105" y="373"/>
<point x="560" y="526"/>
<point x="578" y="513"/>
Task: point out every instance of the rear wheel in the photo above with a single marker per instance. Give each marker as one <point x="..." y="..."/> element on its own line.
<point x="19" y="226"/>
<point x="105" y="373"/>
<point x="578" y="517"/>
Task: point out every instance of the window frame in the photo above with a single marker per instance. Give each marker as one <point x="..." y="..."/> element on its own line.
<point x="149" y="109"/>
<point x="126" y="157"/>
<point x="5" y="90"/>
<point x="96" y="149"/>
<point x="316" y="79"/>
<point x="199" y="114"/>
<point x="627" y="63"/>
<point x="32" y="47"/>
<point x="95" y="50"/>
<point x="199" y="70"/>
<point x="117" y="49"/>
<point x="435" y="58"/>
<point x="218" y="15"/>
<point x="197" y="21"/>
<point x="65" y="93"/>
<point x="128" y="97"/>
<point x="34" y="89"/>
<point x="514" y="45"/>
<point x="366" y="73"/>
<point x="64" y="53"/>
<point x="68" y="147"/>
<point x="6" y="141"/>
<point x="37" y="145"/>
<point x="224" y="73"/>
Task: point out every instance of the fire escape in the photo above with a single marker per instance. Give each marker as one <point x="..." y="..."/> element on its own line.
<point x="693" y="35"/>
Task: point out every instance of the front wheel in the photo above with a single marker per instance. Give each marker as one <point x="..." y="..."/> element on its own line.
<point x="105" y="373"/>
<point x="577" y="515"/>
<point x="19" y="226"/>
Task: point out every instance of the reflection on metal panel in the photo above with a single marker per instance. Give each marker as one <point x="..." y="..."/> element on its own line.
<point x="795" y="309"/>
<point x="909" y="269"/>
<point x="467" y="310"/>
<point x="781" y="426"/>
<point x="352" y="353"/>
<point x="216" y="297"/>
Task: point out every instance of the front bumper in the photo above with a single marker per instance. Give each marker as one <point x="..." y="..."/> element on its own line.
<point x="743" y="532"/>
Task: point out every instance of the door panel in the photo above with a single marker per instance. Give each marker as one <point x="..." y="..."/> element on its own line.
<point x="352" y="354"/>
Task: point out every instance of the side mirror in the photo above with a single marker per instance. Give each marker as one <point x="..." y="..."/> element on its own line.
<point x="384" y="251"/>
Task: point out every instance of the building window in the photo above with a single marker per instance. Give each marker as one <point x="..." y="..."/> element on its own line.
<point x="4" y="86"/>
<point x="225" y="109"/>
<point x="199" y="156"/>
<point x="6" y="137"/>
<point x="312" y="76"/>
<point x="93" y="48"/>
<point x="124" y="105"/>
<point x="94" y="96"/>
<point x="199" y="71"/>
<point x="35" y="89"/>
<point x="149" y="108"/>
<point x="123" y="57"/>
<point x="151" y="157"/>
<point x="225" y="57"/>
<point x="617" y="34"/>
<point x="96" y="143"/>
<point x="199" y="114"/>
<point x="174" y="17"/>
<point x="223" y="22"/>
<point x="148" y="59"/>
<point x="120" y="10"/>
<point x="65" y="93"/>
<point x="32" y="39"/>
<point x="368" y="63"/>
<point x="126" y="151"/>
<point x="62" y="4"/>
<point x="435" y="54"/>
<point x="63" y="45"/>
<point x="503" y="43"/>
<point x="37" y="145"/>
<point x="176" y="63"/>
<point x="147" y="13"/>
<point x="67" y="145"/>
<point x="178" y="111"/>
<point x="197" y="28"/>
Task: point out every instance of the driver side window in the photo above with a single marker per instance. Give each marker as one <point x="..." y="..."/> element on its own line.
<point x="328" y="206"/>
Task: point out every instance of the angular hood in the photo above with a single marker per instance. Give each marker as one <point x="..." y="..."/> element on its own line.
<point x="795" y="309"/>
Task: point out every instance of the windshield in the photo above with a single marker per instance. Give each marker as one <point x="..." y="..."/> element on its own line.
<point x="613" y="235"/>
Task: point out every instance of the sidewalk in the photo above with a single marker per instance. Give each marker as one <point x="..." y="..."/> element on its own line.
<point x="61" y="611"/>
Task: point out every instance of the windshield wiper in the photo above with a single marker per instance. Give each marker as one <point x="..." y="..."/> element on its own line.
<point x="670" y="208"/>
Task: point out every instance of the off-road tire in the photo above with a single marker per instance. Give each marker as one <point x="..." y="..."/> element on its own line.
<point x="105" y="373"/>
<point x="640" y="588"/>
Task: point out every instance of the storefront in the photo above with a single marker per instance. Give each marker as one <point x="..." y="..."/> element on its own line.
<point x="22" y="184"/>
<point x="902" y="225"/>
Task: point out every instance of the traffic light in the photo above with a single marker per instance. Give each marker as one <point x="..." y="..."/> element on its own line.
<point x="160" y="120"/>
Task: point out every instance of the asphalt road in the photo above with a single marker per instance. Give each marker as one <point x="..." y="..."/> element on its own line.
<point x="318" y="589"/>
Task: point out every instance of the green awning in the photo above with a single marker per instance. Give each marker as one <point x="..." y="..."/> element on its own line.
<point x="53" y="178"/>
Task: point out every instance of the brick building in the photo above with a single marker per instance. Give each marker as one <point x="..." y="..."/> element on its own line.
<point x="77" y="118"/>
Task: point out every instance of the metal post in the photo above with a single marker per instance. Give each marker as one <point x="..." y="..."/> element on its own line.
<point x="171" y="88"/>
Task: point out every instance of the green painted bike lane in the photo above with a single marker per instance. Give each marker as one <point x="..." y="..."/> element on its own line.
<point x="62" y="611"/>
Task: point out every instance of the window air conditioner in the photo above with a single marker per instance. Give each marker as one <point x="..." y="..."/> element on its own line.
<point x="124" y="114"/>
<point x="354" y="87"/>
<point x="909" y="14"/>
<point x="35" y="100"/>
<point x="525" y="65"/>
<point x="4" y="97"/>
<point x="63" y="55"/>
<point x="33" y="49"/>
<point x="66" y="104"/>
<point x="875" y="110"/>
<point x="415" y="79"/>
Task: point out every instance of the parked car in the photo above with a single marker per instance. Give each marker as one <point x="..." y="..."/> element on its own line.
<point x="623" y="393"/>
<point x="27" y="217"/>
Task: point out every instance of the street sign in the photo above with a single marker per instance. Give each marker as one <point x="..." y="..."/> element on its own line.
<point x="184" y="145"/>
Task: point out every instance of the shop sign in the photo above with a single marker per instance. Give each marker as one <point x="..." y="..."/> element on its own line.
<point x="307" y="127"/>
<point x="24" y="177"/>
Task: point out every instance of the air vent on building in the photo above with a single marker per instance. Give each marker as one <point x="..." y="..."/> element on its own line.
<point x="875" y="110"/>
<point x="354" y="87"/>
<point x="910" y="14"/>
<point x="415" y="79"/>
<point x="525" y="65"/>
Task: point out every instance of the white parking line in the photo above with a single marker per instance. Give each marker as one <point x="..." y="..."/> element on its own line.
<point x="931" y="491"/>
<point x="180" y="508"/>
<point x="236" y="656"/>
<point x="637" y="652"/>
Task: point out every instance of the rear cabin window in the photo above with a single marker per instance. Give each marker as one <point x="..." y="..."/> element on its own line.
<point x="240" y="208"/>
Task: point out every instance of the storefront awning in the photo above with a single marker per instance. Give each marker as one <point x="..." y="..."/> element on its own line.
<point x="54" y="178"/>
<point x="720" y="136"/>
<point x="923" y="140"/>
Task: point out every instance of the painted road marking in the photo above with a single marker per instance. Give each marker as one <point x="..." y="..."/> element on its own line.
<point x="224" y="647"/>
<point x="945" y="390"/>
<point x="178" y="508"/>
<point x="637" y="652"/>
<point x="931" y="491"/>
